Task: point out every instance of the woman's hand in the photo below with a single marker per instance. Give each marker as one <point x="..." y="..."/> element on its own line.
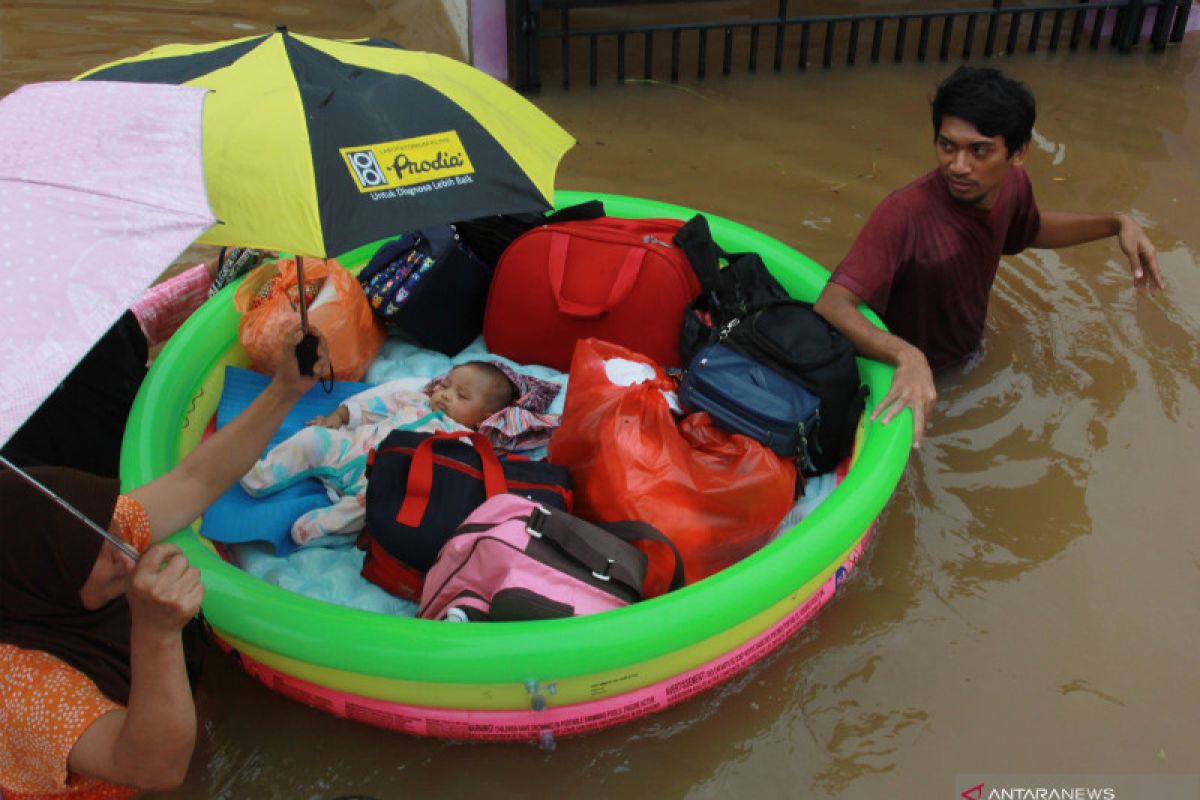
<point x="165" y="591"/>
<point x="287" y="368"/>
<point x="148" y="744"/>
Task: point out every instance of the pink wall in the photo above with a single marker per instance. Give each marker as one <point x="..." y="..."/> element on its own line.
<point x="1193" y="22"/>
<point x="489" y="37"/>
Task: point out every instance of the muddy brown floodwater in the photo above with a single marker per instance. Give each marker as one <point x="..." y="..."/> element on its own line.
<point x="1031" y="604"/>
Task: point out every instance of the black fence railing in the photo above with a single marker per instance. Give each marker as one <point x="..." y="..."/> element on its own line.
<point x="800" y="41"/>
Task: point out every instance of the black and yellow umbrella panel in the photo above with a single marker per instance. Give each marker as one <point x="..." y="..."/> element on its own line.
<point x="316" y="146"/>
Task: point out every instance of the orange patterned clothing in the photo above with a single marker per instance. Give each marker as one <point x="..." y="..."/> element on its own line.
<point x="46" y="705"/>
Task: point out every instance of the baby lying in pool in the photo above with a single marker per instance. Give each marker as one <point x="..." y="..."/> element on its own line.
<point x="479" y="395"/>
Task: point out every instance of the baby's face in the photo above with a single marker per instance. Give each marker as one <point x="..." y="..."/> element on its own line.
<point x="467" y="396"/>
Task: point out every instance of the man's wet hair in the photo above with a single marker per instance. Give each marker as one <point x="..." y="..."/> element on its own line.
<point x="994" y="103"/>
<point x="501" y="391"/>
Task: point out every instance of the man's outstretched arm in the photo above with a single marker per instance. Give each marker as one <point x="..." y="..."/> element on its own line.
<point x="1066" y="228"/>
<point x="912" y="385"/>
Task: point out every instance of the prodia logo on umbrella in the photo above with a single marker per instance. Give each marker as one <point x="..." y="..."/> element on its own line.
<point x="408" y="162"/>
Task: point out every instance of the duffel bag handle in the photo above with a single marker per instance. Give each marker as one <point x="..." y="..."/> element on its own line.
<point x="569" y="533"/>
<point x="636" y="530"/>
<point x="420" y="474"/>
<point x="626" y="277"/>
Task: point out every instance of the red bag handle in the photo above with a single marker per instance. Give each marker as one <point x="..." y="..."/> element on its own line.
<point x="627" y="276"/>
<point x="420" y="475"/>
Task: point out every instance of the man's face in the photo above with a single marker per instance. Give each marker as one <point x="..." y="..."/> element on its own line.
<point x="973" y="165"/>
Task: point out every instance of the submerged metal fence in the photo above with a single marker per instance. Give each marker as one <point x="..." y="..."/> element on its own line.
<point x="796" y="41"/>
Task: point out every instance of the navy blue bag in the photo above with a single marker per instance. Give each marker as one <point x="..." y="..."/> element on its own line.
<point x="744" y="307"/>
<point x="430" y="286"/>
<point x="420" y="488"/>
<point x="743" y="396"/>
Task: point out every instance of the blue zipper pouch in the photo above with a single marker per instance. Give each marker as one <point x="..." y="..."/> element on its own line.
<point x="743" y="396"/>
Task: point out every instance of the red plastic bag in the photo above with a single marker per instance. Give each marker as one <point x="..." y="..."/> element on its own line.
<point x="717" y="495"/>
<point x="269" y="301"/>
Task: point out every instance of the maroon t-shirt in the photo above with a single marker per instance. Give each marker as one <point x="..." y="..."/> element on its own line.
<point x="925" y="263"/>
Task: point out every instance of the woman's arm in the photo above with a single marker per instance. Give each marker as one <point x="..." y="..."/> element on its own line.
<point x="912" y="386"/>
<point x="1066" y="228"/>
<point x="177" y="498"/>
<point x="149" y="744"/>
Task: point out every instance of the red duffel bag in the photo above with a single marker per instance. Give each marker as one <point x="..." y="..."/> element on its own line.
<point x="621" y="280"/>
<point x="718" y="496"/>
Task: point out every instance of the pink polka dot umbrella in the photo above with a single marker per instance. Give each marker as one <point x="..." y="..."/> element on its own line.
<point x="101" y="188"/>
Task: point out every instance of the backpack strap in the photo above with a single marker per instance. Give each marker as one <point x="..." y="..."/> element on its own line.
<point x="636" y="530"/>
<point x="696" y="241"/>
<point x="580" y="212"/>
<point x="731" y="291"/>
<point x="569" y="533"/>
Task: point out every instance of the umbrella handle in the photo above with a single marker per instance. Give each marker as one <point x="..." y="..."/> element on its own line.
<point x="306" y="354"/>
<point x="303" y="301"/>
<point x="306" y="351"/>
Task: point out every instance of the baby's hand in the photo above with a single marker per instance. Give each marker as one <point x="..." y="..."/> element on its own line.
<point x="332" y="420"/>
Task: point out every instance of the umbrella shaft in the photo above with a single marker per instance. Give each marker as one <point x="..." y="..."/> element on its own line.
<point x="119" y="544"/>
<point x="303" y="301"/>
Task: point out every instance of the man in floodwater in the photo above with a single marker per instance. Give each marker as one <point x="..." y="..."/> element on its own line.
<point x="926" y="258"/>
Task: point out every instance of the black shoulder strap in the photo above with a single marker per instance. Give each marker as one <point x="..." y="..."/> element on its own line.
<point x="572" y="537"/>
<point x="590" y="209"/>
<point x="695" y="239"/>
<point x="636" y="530"/>
<point x="560" y="528"/>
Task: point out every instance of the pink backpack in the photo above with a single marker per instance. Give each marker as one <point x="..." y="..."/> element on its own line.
<point x="513" y="559"/>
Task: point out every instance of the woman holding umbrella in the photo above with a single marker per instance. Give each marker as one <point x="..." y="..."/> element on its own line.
<point x="94" y="671"/>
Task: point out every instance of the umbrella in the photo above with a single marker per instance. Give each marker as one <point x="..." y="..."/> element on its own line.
<point x="101" y="187"/>
<point x="317" y="146"/>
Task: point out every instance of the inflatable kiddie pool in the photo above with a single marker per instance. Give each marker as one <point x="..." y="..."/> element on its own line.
<point x="517" y="680"/>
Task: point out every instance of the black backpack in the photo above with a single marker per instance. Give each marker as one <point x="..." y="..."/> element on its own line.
<point x="728" y="292"/>
<point x="745" y="308"/>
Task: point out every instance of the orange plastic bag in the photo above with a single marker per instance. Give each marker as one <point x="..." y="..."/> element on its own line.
<point x="717" y="495"/>
<point x="269" y="301"/>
